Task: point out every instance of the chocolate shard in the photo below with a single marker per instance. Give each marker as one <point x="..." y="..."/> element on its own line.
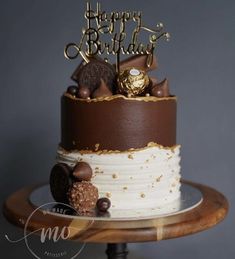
<point x="161" y="89"/>
<point x="138" y="61"/>
<point x="102" y="90"/>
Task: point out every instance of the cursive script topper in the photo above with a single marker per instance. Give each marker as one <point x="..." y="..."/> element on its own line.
<point x="100" y="22"/>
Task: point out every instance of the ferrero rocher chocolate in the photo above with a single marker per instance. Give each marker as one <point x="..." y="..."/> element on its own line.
<point x="132" y="82"/>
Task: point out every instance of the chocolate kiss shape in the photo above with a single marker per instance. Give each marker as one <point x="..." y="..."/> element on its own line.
<point x="102" y="90"/>
<point x="153" y="81"/>
<point x="82" y="171"/>
<point x="161" y="89"/>
<point x="83" y="196"/>
<point x="91" y="73"/>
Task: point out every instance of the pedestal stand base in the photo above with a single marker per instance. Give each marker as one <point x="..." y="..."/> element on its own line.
<point x="117" y="251"/>
<point x="117" y="232"/>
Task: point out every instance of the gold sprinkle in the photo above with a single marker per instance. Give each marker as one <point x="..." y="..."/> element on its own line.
<point x="130" y="156"/>
<point x="124" y="188"/>
<point x="97" y="168"/>
<point x="97" y="147"/>
<point x="108" y="194"/>
<point x="158" y="179"/>
<point x="142" y="195"/>
<point x="171" y="191"/>
<point x="131" y="177"/>
<point x="114" y="176"/>
<point x="141" y="167"/>
<point x="147" y="161"/>
<point x="98" y="172"/>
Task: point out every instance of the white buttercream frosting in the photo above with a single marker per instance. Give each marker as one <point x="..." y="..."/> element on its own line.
<point x="140" y="179"/>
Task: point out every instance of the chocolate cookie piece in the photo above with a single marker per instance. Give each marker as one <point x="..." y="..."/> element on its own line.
<point x="90" y="75"/>
<point x="75" y="74"/>
<point x="60" y="182"/>
<point x="83" y="196"/>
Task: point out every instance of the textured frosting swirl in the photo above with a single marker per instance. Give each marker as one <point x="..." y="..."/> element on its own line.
<point x="147" y="178"/>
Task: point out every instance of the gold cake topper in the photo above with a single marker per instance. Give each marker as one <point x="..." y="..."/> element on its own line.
<point x="100" y="22"/>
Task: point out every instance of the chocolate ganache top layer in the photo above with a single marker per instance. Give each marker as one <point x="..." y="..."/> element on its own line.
<point x="117" y="122"/>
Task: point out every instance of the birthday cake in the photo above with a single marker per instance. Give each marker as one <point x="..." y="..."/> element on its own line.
<point x="118" y="148"/>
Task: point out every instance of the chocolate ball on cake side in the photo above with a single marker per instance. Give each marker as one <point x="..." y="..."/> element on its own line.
<point x="73" y="90"/>
<point x="60" y="182"/>
<point x="83" y="92"/>
<point x="103" y="204"/>
<point x="82" y="172"/>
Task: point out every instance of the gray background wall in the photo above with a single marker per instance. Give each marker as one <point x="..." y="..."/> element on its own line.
<point x="199" y="62"/>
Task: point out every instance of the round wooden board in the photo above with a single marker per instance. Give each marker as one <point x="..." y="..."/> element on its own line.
<point x="210" y="212"/>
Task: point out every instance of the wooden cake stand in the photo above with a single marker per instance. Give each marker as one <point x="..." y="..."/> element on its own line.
<point x="117" y="233"/>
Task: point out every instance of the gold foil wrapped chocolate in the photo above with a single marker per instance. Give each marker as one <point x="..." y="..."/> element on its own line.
<point x="132" y="82"/>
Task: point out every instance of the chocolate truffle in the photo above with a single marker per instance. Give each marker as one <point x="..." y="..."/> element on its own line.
<point x="82" y="171"/>
<point x="60" y="182"/>
<point x="132" y="82"/>
<point x="83" y="196"/>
